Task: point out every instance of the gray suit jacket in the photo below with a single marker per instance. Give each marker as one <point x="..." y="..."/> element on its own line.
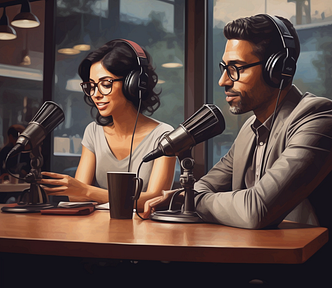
<point x="298" y="158"/>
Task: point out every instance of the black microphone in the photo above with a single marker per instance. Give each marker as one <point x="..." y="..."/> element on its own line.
<point x="48" y="117"/>
<point x="204" y="124"/>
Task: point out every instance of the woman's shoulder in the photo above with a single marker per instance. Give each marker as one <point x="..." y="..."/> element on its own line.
<point x="93" y="128"/>
<point x="164" y="127"/>
<point x="161" y="126"/>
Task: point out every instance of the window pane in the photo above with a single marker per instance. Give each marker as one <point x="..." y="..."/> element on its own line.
<point x="21" y="73"/>
<point x="313" y="22"/>
<point x="157" y="26"/>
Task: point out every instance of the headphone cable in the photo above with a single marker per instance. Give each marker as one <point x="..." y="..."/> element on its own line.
<point x="272" y="122"/>
<point x="136" y="210"/>
<point x="132" y="137"/>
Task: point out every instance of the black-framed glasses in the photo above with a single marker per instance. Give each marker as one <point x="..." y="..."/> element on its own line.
<point x="104" y="86"/>
<point x="233" y="71"/>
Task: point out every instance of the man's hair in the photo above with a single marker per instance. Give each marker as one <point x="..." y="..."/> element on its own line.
<point x="260" y="31"/>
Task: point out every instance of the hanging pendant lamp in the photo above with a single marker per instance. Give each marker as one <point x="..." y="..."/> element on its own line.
<point x="25" y="19"/>
<point x="7" y="32"/>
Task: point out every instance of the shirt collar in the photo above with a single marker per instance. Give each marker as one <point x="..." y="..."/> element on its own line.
<point x="257" y="125"/>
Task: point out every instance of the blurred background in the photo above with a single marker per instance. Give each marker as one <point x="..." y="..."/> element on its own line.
<point x="185" y="39"/>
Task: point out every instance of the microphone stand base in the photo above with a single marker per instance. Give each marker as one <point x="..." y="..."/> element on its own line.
<point x="176" y="216"/>
<point x="26" y="208"/>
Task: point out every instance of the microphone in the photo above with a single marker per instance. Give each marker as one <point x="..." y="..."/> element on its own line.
<point x="48" y="117"/>
<point x="204" y="124"/>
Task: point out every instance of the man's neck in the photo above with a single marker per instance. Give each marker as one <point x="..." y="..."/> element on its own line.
<point x="265" y="112"/>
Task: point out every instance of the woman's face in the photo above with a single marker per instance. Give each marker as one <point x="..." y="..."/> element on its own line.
<point x="115" y="100"/>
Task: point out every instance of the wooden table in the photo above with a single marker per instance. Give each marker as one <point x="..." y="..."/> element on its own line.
<point x="96" y="235"/>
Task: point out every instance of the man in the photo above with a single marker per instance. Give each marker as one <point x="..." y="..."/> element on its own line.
<point x="279" y="164"/>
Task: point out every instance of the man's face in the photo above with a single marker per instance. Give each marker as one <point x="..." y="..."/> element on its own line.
<point x="250" y="92"/>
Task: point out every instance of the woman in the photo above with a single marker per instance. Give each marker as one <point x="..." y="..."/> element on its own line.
<point x="110" y="75"/>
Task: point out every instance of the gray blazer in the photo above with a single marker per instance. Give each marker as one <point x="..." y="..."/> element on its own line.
<point x="298" y="158"/>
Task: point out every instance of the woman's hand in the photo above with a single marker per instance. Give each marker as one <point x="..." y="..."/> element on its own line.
<point x="65" y="185"/>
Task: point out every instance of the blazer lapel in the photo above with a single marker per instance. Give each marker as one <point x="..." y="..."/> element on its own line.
<point x="290" y="101"/>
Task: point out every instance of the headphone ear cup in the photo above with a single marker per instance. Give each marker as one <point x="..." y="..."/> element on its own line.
<point x="272" y="69"/>
<point x="130" y="84"/>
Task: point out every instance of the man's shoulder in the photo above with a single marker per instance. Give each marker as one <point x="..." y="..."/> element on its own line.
<point x="311" y="102"/>
<point x="311" y="108"/>
<point x="309" y="97"/>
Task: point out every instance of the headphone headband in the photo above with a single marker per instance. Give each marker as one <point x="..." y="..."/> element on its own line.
<point x="286" y="38"/>
<point x="136" y="82"/>
<point x="140" y="54"/>
<point x="280" y="67"/>
<point x="138" y="49"/>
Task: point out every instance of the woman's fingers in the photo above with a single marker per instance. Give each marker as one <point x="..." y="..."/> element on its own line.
<point x="53" y="175"/>
<point x="54" y="189"/>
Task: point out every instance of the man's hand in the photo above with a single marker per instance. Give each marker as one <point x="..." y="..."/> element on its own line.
<point x="160" y="202"/>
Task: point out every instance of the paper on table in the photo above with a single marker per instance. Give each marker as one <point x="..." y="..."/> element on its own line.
<point x="105" y="206"/>
<point x="63" y="204"/>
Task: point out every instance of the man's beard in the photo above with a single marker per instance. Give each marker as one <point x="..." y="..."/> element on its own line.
<point x="236" y="109"/>
<point x="239" y="108"/>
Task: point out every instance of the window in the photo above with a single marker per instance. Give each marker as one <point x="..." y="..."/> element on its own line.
<point x="313" y="22"/>
<point x="158" y="26"/>
<point x="21" y="70"/>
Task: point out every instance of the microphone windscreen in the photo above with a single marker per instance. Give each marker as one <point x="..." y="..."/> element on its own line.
<point x="47" y="118"/>
<point x="50" y="115"/>
<point x="205" y="123"/>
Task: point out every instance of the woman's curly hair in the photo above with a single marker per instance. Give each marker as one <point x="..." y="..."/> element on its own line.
<point x="119" y="58"/>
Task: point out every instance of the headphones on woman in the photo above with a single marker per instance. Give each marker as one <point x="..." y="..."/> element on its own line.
<point x="281" y="65"/>
<point x="136" y="82"/>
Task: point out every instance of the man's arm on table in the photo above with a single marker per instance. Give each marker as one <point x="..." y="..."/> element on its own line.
<point x="302" y="165"/>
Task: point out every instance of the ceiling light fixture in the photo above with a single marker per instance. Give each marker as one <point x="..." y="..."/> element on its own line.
<point x="69" y="51"/>
<point x="172" y="62"/>
<point x="25" y="19"/>
<point x="84" y="41"/>
<point x="7" y="32"/>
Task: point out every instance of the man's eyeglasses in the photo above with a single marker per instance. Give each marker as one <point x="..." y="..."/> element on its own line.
<point x="233" y="71"/>
<point x="104" y="87"/>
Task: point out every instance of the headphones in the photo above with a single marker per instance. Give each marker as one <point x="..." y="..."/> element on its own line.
<point x="281" y="65"/>
<point x="136" y="82"/>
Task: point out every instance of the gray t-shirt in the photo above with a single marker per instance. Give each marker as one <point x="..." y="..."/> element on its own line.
<point x="94" y="139"/>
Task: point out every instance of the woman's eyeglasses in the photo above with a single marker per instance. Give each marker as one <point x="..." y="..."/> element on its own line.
<point x="104" y="86"/>
<point x="233" y="71"/>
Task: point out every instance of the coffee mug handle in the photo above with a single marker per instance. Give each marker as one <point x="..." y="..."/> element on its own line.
<point x="138" y="187"/>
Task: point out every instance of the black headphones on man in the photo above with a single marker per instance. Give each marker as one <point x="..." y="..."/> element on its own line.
<point x="136" y="82"/>
<point x="281" y="65"/>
